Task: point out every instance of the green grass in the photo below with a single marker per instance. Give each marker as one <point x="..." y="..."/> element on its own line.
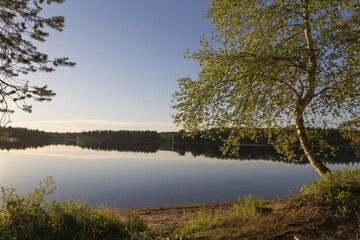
<point x="202" y="221"/>
<point x="248" y="208"/>
<point x="33" y="217"/>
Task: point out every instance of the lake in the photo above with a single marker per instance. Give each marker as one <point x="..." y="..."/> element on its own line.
<point x="134" y="177"/>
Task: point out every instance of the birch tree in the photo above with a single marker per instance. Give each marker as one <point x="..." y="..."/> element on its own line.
<point x="275" y="64"/>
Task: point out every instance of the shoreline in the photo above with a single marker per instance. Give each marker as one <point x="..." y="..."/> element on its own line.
<point x="170" y="217"/>
<point x="294" y="217"/>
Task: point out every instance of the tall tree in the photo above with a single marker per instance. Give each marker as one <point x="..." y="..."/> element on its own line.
<point x="21" y="27"/>
<point x="273" y="64"/>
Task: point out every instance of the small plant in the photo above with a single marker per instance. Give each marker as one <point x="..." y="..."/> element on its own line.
<point x="249" y="207"/>
<point x="134" y="223"/>
<point x="340" y="189"/>
<point x="203" y="221"/>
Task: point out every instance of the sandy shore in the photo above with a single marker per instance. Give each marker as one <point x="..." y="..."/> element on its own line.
<point x="170" y="217"/>
<point x="288" y="218"/>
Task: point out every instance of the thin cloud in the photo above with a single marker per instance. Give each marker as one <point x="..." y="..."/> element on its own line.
<point x="79" y="125"/>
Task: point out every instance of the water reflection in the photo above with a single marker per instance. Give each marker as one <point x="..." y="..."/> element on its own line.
<point x="135" y="175"/>
<point x="344" y="155"/>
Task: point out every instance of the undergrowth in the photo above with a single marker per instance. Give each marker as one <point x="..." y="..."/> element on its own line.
<point x="340" y="189"/>
<point x="202" y="221"/>
<point x="33" y="217"/>
<point x="248" y="208"/>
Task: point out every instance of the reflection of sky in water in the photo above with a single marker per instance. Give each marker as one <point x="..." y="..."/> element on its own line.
<point x="127" y="179"/>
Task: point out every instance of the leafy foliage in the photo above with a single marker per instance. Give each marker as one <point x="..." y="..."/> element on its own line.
<point x="21" y="26"/>
<point x="351" y="130"/>
<point x="340" y="188"/>
<point x="274" y="64"/>
<point x="33" y="217"/>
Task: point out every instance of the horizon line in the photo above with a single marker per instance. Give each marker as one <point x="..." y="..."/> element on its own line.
<point x="81" y="125"/>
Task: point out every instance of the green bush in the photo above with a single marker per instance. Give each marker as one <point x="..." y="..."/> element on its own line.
<point x="202" y="221"/>
<point x="33" y="217"/>
<point x="249" y="207"/>
<point x="339" y="188"/>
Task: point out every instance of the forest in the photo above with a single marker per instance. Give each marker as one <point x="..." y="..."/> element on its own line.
<point x="13" y="134"/>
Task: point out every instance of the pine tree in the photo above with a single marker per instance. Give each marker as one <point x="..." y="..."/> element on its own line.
<point x="21" y="27"/>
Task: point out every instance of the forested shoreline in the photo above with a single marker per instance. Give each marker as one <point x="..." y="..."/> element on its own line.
<point x="330" y="135"/>
<point x="153" y="141"/>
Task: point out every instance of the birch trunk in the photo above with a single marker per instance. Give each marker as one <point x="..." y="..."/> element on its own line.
<point x="302" y="103"/>
<point x="319" y="166"/>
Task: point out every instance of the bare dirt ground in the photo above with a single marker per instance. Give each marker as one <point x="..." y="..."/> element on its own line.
<point x="292" y="218"/>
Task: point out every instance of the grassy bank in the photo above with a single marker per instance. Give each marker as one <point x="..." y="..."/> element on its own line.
<point x="327" y="209"/>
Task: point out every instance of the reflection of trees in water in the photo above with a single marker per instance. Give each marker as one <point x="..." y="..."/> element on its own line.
<point x="213" y="151"/>
<point x="23" y="145"/>
<point x="142" y="147"/>
<point x="345" y="155"/>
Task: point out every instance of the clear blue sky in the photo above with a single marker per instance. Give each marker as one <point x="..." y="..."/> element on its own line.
<point x="129" y="56"/>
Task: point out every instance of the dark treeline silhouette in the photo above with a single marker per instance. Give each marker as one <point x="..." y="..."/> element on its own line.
<point x="120" y="136"/>
<point x="26" y="135"/>
<point x="212" y="136"/>
<point x="23" y="133"/>
<point x="330" y="135"/>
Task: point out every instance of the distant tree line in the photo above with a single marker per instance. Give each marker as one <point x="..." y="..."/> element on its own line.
<point x="119" y="136"/>
<point x="332" y="136"/>
<point x="23" y="133"/>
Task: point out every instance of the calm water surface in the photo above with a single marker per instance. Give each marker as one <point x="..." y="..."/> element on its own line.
<point x="130" y="179"/>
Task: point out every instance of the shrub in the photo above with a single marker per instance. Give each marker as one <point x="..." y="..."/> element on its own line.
<point x="249" y="207"/>
<point x="339" y="188"/>
<point x="202" y="221"/>
<point x="134" y="224"/>
<point x="33" y="217"/>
